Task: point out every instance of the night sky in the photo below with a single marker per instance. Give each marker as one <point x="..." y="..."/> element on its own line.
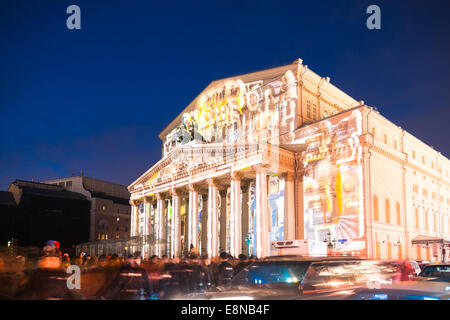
<point x="95" y="99"/>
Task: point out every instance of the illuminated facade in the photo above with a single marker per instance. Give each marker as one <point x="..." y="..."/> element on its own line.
<point x="282" y="154"/>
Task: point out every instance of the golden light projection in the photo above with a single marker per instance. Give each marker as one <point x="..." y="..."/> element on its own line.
<point x="234" y="110"/>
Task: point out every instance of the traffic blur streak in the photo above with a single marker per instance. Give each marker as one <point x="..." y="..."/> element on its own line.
<point x="397" y="290"/>
<point x="309" y="278"/>
<point x="110" y="277"/>
<point x="113" y="278"/>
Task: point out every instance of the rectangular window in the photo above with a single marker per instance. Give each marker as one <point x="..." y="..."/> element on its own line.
<point x="314" y="111"/>
<point x="415" y="188"/>
<point x="419" y="252"/>
<point x="399" y="216"/>
<point x="426" y="220"/>
<point x="416" y="212"/>
<point x="375" y="208"/>
<point x="378" y="251"/>
<point x="388" y="211"/>
<point x="428" y="253"/>
<point x="389" y="251"/>
<point x="385" y="139"/>
<point x="400" y="252"/>
<point x="308" y="109"/>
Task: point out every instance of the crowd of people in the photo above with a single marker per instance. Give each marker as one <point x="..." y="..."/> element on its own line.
<point x="114" y="277"/>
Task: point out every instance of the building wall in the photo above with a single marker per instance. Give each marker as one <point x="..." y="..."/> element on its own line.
<point x="109" y="219"/>
<point x="411" y="175"/>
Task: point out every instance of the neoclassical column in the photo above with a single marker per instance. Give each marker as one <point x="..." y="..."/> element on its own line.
<point x="146" y="216"/>
<point x="176" y="224"/>
<point x="261" y="212"/>
<point x="133" y="217"/>
<point x="223" y="221"/>
<point x="235" y="214"/>
<point x="193" y="217"/>
<point x="244" y="218"/>
<point x="160" y="206"/>
<point x="289" y="206"/>
<point x="212" y="248"/>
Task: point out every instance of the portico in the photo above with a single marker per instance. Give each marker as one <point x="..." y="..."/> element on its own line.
<point x="222" y="206"/>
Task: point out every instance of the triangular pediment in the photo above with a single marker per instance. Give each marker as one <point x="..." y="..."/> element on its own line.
<point x="248" y="80"/>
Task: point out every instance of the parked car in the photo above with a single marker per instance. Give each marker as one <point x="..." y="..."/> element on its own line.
<point x="403" y="290"/>
<point x="288" y="277"/>
<point x="423" y="263"/>
<point x="415" y="266"/>
<point x="435" y="272"/>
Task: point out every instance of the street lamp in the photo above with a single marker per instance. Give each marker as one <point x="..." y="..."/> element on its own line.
<point x="331" y="243"/>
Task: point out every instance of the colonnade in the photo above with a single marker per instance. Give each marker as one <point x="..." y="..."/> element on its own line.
<point x="223" y="230"/>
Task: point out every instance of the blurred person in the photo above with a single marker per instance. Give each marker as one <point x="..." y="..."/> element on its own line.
<point x="49" y="280"/>
<point x="131" y="283"/>
<point x="224" y="270"/>
<point x="57" y="246"/>
<point x="102" y="261"/>
<point x="243" y="262"/>
<point x="405" y="271"/>
<point x="65" y="261"/>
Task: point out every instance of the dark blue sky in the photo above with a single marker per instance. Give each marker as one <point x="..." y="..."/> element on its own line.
<point x="96" y="98"/>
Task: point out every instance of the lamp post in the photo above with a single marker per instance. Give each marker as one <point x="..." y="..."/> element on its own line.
<point x="331" y="243"/>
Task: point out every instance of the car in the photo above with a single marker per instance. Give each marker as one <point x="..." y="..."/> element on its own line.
<point x="435" y="272"/>
<point x="287" y="277"/>
<point x="423" y="263"/>
<point x="415" y="266"/>
<point x="401" y="290"/>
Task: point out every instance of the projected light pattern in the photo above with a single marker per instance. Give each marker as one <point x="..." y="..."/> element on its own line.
<point x="332" y="185"/>
<point x="236" y="110"/>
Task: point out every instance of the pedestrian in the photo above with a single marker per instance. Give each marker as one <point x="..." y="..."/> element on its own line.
<point x="243" y="262"/>
<point x="131" y="283"/>
<point x="225" y="270"/>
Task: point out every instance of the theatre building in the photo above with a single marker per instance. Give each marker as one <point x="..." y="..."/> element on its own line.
<point x="282" y="159"/>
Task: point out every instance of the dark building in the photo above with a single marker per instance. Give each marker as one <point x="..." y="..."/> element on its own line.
<point x="33" y="213"/>
<point x="8" y="210"/>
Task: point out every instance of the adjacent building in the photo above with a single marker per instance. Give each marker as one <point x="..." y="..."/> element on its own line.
<point x="280" y="158"/>
<point x="73" y="210"/>
<point x="110" y="209"/>
<point x="34" y="212"/>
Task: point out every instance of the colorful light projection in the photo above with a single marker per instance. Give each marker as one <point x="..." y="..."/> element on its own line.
<point x="235" y="110"/>
<point x="276" y="208"/>
<point x="333" y="185"/>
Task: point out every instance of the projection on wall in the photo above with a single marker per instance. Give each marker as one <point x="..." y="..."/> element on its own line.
<point x="332" y="183"/>
<point x="235" y="110"/>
